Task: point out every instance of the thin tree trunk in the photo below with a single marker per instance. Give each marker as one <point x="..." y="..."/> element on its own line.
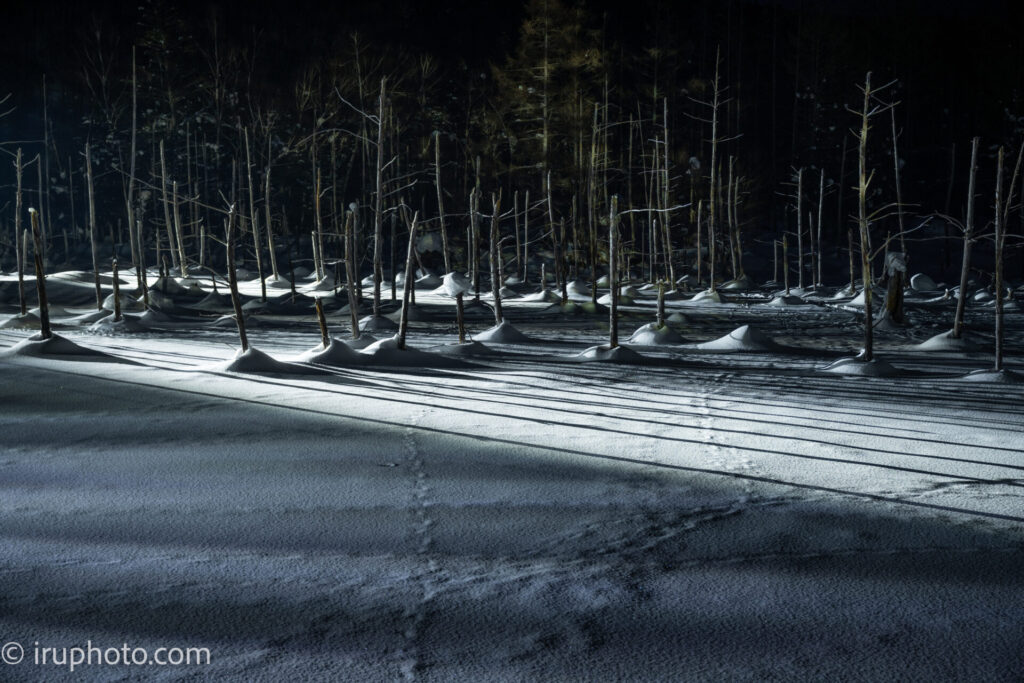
<point x="236" y="302"/>
<point x="613" y="255"/>
<point x="965" y="267"/>
<point x="799" y="229"/>
<point x="526" y="239"/>
<point x="182" y="260"/>
<point x="378" y="207"/>
<point x="167" y="206"/>
<point x="862" y="220"/>
<point x="896" y="177"/>
<point x="117" y="291"/>
<point x="254" y="220"/>
<point x="495" y="267"/>
<point x="266" y="206"/>
<point x="20" y="237"/>
<point x="350" y="273"/>
<point x="817" y="254"/>
<point x="440" y="201"/>
<point x="325" y="338"/>
<point x="403" y="323"/>
<point x="44" y="308"/>
<point x="92" y="228"/>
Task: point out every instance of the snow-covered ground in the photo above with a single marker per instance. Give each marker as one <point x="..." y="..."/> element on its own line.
<point x="724" y="511"/>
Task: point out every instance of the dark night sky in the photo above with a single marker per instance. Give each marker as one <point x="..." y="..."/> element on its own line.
<point x="960" y="64"/>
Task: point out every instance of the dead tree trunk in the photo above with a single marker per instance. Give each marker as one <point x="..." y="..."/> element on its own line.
<point x="495" y="269"/>
<point x="325" y="338"/>
<point x="440" y="201"/>
<point x="403" y="323"/>
<point x="182" y="260"/>
<point x="965" y="267"/>
<point x="799" y="230"/>
<point x="378" y="203"/>
<point x="20" y="237"/>
<point x="266" y="206"/>
<point x="167" y="206"/>
<point x="863" y="222"/>
<point x="350" y="273"/>
<point x="236" y="301"/>
<point x="92" y="229"/>
<point x="613" y="255"/>
<point x="44" y="309"/>
<point x="254" y="221"/>
<point x="117" y="291"/>
<point x="817" y="248"/>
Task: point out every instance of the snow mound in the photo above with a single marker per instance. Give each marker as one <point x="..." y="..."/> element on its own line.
<point x="56" y="345"/>
<point x="214" y="301"/>
<point x="337" y="353"/>
<point x="324" y="285"/>
<point x="428" y="281"/>
<point x="127" y="303"/>
<point x="629" y="290"/>
<point x="278" y="282"/>
<point x="998" y="376"/>
<point x="361" y="342"/>
<point x="738" y="285"/>
<point x="786" y="300"/>
<point x="126" y="325"/>
<point x="922" y="283"/>
<point x="858" y="367"/>
<point x="602" y="281"/>
<point x="945" y="342"/>
<point x="578" y="287"/>
<point x="744" y="338"/>
<point x="414" y="314"/>
<point x="29" y="321"/>
<point x="377" y="324"/>
<point x="454" y="284"/>
<point x="90" y="317"/>
<point x="471" y="348"/>
<point x="620" y="354"/>
<point x="386" y="352"/>
<point x="476" y="308"/>
<point x="545" y="295"/>
<point x="254" y="361"/>
<point x="877" y="296"/>
<point x="705" y="297"/>
<point x="606" y="300"/>
<point x="229" y="321"/>
<point x="151" y="317"/>
<point x="174" y="287"/>
<point x="503" y="333"/>
<point x="505" y="293"/>
<point x="676" y="317"/>
<point x="652" y="335"/>
<point x="983" y="295"/>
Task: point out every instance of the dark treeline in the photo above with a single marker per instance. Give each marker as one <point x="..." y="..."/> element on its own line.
<point x="287" y="111"/>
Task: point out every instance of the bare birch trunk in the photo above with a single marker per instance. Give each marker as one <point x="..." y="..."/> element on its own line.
<point x="965" y="267"/>
<point x="403" y="323"/>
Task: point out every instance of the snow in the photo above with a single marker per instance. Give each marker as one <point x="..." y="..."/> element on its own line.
<point x="603" y="353"/>
<point x="922" y="283"/>
<point x="705" y="297"/>
<point x="252" y="360"/>
<point x="454" y="514"/>
<point x="859" y="367"/>
<point x="786" y="300"/>
<point x="944" y="341"/>
<point x="337" y="353"/>
<point x="502" y="333"/>
<point x="744" y="338"/>
<point x="652" y="335"/>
